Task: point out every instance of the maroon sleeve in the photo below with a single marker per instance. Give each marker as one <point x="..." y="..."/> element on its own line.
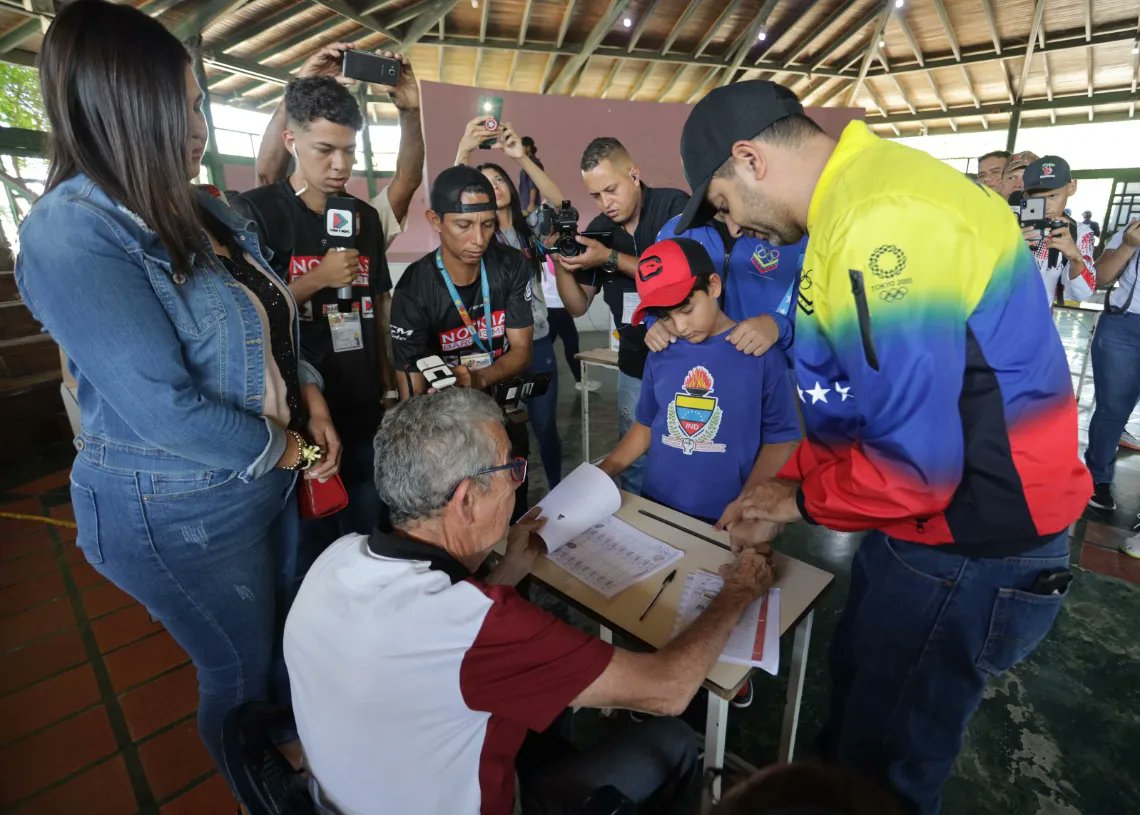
<point x="526" y="665"/>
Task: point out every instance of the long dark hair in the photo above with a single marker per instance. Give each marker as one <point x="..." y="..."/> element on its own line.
<point x="518" y="220"/>
<point x="114" y="87"/>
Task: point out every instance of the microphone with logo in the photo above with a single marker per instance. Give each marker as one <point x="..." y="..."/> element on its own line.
<point x="340" y="234"/>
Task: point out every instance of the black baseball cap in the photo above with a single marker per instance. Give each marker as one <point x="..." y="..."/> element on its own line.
<point x="1047" y="173"/>
<point x="725" y="116"/>
<point x="449" y="186"/>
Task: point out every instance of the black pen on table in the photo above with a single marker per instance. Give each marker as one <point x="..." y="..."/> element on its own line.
<point x="664" y="583"/>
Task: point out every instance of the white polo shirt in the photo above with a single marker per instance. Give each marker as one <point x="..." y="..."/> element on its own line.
<point x="414" y="684"/>
<point x="1127" y="280"/>
<point x="1054" y="268"/>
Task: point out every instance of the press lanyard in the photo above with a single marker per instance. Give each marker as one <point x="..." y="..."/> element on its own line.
<point x="488" y="315"/>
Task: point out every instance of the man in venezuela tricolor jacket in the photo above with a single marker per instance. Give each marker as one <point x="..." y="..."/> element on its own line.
<point x="939" y="418"/>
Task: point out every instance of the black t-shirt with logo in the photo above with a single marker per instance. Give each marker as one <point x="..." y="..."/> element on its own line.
<point x="297" y="239"/>
<point x="619" y="290"/>
<point x="426" y="322"/>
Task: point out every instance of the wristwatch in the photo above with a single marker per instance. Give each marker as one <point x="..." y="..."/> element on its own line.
<point x="307" y="454"/>
<point x="612" y="264"/>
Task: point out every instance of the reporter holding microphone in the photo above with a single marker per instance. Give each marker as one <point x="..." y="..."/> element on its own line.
<point x="196" y="412"/>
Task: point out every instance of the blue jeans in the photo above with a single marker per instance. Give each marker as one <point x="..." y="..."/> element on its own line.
<point x="629" y="394"/>
<point x="208" y="554"/>
<point x="543" y="411"/>
<point x="922" y="632"/>
<point x="562" y="327"/>
<point x="364" y="511"/>
<point x="1116" y="383"/>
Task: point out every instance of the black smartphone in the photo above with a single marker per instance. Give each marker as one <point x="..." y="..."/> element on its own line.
<point x="604" y="236"/>
<point x="372" y="68"/>
<point x="492" y="108"/>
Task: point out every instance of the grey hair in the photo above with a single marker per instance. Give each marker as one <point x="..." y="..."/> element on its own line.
<point x="427" y="445"/>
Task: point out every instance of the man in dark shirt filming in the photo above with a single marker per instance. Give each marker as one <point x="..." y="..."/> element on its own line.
<point x="467" y="302"/>
<point x="350" y="348"/>
<point x="633" y="212"/>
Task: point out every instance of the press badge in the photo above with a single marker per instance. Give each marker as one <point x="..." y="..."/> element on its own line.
<point x="629" y="303"/>
<point x="345" y="330"/>
<point x="475" y="362"/>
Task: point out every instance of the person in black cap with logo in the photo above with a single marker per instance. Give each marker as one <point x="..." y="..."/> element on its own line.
<point x="939" y="417"/>
<point x="1063" y="248"/>
<point x="468" y="302"/>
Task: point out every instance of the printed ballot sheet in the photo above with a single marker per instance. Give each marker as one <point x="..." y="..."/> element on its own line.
<point x="611" y="556"/>
<point x="754" y="641"/>
<point x="584" y="498"/>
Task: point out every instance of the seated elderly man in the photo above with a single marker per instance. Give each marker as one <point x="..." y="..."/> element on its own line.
<point x="415" y="681"/>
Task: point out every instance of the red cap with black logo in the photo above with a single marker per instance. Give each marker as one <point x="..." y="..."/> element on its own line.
<point x="667" y="272"/>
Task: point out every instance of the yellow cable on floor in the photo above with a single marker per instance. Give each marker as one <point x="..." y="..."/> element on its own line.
<point x="19" y="516"/>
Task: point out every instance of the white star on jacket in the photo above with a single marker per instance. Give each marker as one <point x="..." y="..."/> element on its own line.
<point x="844" y="392"/>
<point x="818" y="393"/>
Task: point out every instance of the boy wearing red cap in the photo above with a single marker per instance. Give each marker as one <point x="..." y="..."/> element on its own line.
<point x="698" y="417"/>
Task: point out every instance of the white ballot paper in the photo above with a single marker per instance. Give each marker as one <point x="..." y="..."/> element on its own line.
<point x="754" y="641"/>
<point x="582" y="499"/>
<point x="611" y="556"/>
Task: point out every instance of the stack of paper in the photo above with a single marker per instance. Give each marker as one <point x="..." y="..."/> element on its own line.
<point x="754" y="641"/>
<point x="584" y="538"/>
<point x="612" y="555"/>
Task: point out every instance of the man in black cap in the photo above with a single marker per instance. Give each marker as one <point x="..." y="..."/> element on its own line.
<point x="1063" y="248"/>
<point x="468" y="302"/>
<point x="938" y="411"/>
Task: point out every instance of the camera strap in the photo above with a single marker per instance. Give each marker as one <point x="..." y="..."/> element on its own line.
<point x="488" y="314"/>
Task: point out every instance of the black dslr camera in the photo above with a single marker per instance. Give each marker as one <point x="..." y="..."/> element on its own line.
<point x="564" y="221"/>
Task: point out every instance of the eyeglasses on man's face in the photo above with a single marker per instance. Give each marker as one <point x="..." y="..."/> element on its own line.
<point x="516" y="468"/>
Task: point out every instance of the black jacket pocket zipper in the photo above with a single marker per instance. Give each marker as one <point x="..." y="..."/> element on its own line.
<point x="864" y="314"/>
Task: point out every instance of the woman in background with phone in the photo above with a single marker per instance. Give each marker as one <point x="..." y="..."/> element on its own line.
<point x="513" y="231"/>
<point x="185" y="349"/>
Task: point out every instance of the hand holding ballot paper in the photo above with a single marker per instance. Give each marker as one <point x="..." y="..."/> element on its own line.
<point x="584" y="538"/>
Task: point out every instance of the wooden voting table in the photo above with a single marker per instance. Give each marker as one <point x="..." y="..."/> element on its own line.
<point x="705" y="549"/>
<point x="602" y="358"/>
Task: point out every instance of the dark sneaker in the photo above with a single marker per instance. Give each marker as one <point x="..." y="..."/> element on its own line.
<point x="744" y="697"/>
<point x="1102" y="497"/>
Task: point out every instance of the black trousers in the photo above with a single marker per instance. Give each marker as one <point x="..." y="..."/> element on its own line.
<point x="654" y="763"/>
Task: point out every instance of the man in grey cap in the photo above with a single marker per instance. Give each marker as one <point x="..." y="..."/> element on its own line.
<point x="938" y="411"/>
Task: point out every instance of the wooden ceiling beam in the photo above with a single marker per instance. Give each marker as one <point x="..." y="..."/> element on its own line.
<point x="244" y="34"/>
<point x="608" y="82"/>
<point x="1115" y="97"/>
<point x="812" y="34"/>
<point x="510" y="71"/>
<point x="542" y="83"/>
<point x="1038" y="15"/>
<point x="366" y="20"/>
<point x="672" y="83"/>
<point x="484" y="15"/>
<point x="748" y="41"/>
<point x="948" y="27"/>
<point x="704" y="86"/>
<point x="941" y="101"/>
<point x="675" y="31"/>
<point x="593" y="40"/>
<point x="915" y="48"/>
<point x="525" y="21"/>
<point x="991" y="21"/>
<point x="640" y="83"/>
<point x="873" y="48"/>
<point x="19" y="34"/>
<point x="1049" y="86"/>
<point x="565" y="25"/>
<point x="639" y="29"/>
<point x="710" y="35"/>
<point x="424" y="23"/>
<point x="837" y="44"/>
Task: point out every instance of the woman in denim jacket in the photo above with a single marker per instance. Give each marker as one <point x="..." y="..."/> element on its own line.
<point x="185" y="347"/>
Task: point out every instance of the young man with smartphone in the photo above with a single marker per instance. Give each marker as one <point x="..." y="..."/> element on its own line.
<point x="633" y="213"/>
<point x="343" y="293"/>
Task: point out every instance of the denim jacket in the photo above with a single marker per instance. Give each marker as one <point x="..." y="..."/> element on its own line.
<point x="171" y="372"/>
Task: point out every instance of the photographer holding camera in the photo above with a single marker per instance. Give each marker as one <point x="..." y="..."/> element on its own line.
<point x="633" y="213"/>
<point x="1063" y="248"/>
